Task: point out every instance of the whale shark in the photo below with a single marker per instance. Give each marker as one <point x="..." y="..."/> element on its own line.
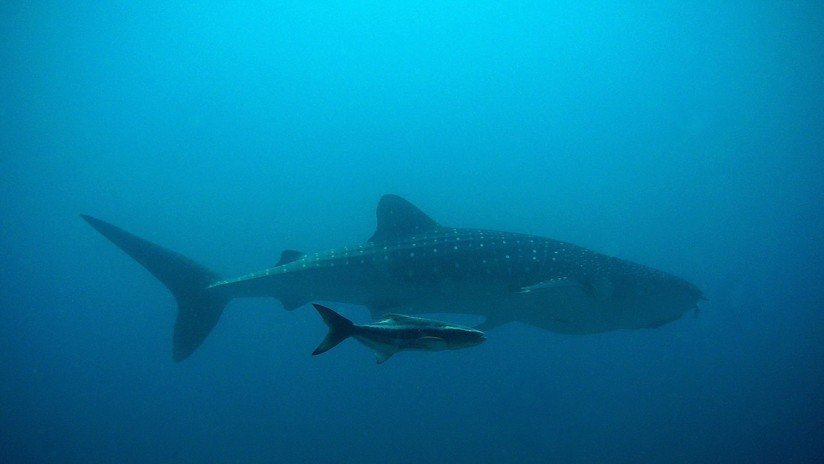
<point x="413" y="265"/>
<point x="396" y="332"/>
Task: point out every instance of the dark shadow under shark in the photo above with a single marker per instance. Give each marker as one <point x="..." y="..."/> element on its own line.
<point x="413" y="265"/>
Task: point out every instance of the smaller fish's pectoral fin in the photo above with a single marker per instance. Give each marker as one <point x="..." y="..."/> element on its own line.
<point x="551" y="284"/>
<point x="384" y="355"/>
<point x="431" y="343"/>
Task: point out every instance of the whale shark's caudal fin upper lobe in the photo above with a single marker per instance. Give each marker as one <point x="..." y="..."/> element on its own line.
<point x="198" y="308"/>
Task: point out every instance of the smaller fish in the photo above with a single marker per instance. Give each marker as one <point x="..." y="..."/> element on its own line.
<point x="395" y="333"/>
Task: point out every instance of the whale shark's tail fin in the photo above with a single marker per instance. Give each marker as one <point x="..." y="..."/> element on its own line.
<point x="198" y="308"/>
<point x="340" y="328"/>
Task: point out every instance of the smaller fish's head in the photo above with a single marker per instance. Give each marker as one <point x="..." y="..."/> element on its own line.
<point x="464" y="337"/>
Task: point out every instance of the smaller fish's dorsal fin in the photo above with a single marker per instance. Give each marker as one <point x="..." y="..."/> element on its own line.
<point x="397" y="218"/>
<point x="410" y="320"/>
<point x="287" y="256"/>
<point x="399" y="317"/>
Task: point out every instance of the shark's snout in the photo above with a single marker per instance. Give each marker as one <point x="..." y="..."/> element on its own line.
<point x="464" y="337"/>
<point x="477" y="337"/>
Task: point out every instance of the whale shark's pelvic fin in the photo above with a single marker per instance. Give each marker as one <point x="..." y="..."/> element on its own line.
<point x="198" y="308"/>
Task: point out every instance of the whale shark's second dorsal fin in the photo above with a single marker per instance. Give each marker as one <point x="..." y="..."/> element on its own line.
<point x="397" y="218"/>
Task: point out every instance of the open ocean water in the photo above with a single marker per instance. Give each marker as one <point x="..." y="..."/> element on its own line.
<point x="687" y="136"/>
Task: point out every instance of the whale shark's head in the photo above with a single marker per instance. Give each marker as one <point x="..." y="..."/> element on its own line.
<point x="655" y="298"/>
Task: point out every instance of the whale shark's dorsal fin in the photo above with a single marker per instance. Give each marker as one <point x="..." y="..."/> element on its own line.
<point x="397" y="218"/>
<point x="287" y="256"/>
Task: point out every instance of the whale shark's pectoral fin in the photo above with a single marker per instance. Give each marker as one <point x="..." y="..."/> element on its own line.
<point x="383" y="354"/>
<point x="551" y="284"/>
<point x="492" y="322"/>
<point x="290" y="303"/>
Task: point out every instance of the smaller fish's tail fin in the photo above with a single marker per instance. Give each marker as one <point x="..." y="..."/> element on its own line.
<point x="340" y="328"/>
<point x="198" y="306"/>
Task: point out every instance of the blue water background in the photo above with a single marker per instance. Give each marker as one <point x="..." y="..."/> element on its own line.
<point x="682" y="135"/>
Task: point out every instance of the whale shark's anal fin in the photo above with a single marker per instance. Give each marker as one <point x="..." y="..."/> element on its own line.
<point x="198" y="307"/>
